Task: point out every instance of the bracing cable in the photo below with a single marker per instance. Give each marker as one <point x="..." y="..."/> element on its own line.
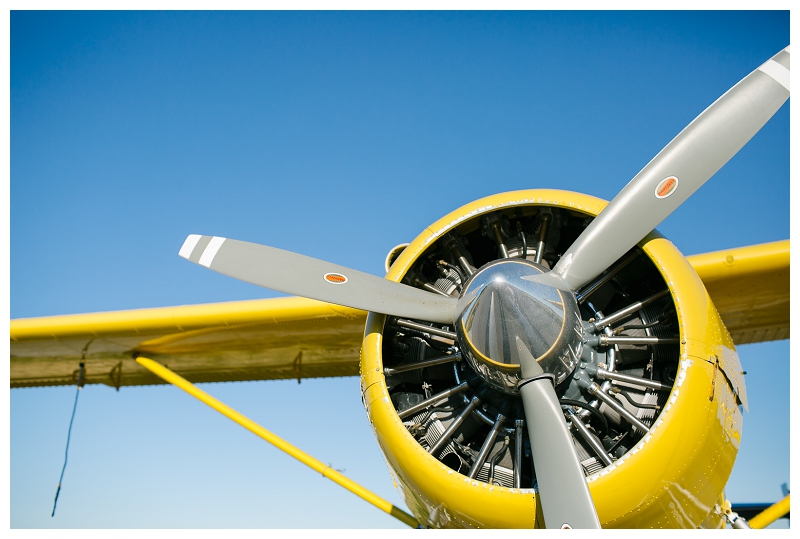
<point x="69" y="434"/>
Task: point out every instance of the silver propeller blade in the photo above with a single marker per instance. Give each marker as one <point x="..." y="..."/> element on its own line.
<point x="292" y="273"/>
<point x="563" y="491"/>
<point x="685" y="164"/>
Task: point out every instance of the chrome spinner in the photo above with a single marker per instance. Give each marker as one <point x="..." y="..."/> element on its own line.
<point x="509" y="304"/>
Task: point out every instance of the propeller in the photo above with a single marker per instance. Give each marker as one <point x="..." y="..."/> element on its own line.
<point x="293" y="273"/>
<point x="678" y="170"/>
<point x="566" y="501"/>
<point x="681" y="168"/>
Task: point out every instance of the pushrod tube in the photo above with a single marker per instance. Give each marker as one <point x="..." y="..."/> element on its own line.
<point x="518" y="424"/>
<point x="594" y="389"/>
<point x="629" y="310"/>
<point x="587" y="436"/>
<point x="326" y="471"/>
<point x="627" y="378"/>
<point x="611" y="355"/>
<point x="462" y="261"/>
<point x="408" y="324"/>
<point x="499" y="239"/>
<point x="496" y="458"/>
<point x="542" y="237"/>
<point x="430" y="288"/>
<point x="487" y="446"/>
<point x="603" y="279"/>
<point x="607" y="341"/>
<point x="389" y="371"/>
<point x="446" y="435"/>
<point x="463" y="386"/>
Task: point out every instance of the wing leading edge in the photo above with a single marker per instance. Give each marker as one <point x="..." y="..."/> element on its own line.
<point x="223" y="342"/>
<point x="750" y="288"/>
<point x="302" y="338"/>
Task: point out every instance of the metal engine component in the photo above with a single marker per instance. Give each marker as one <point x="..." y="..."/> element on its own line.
<point x="613" y="372"/>
<point x="450" y="280"/>
<point x="502" y="304"/>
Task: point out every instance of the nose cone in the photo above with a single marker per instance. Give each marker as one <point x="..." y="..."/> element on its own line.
<point x="506" y="317"/>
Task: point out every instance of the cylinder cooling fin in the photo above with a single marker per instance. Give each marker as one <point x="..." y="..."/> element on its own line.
<point x="626" y="368"/>
<point x="462" y="410"/>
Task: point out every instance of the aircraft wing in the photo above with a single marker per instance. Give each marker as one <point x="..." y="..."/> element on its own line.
<point x="302" y="338"/>
<point x="221" y="342"/>
<point x="750" y="288"/>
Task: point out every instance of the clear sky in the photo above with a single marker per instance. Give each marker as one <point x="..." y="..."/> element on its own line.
<point x="337" y="135"/>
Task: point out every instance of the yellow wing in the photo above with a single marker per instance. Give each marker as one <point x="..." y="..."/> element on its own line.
<point x="750" y="288"/>
<point x="302" y="338"/>
<point x="222" y="342"/>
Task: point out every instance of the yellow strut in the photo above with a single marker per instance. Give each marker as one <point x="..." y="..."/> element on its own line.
<point x="163" y="372"/>
<point x="770" y="514"/>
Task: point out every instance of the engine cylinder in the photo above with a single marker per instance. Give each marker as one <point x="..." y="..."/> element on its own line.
<point x="637" y="489"/>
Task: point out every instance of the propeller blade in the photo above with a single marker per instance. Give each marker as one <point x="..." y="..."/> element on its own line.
<point x="685" y="164"/>
<point x="301" y="275"/>
<point x="563" y="492"/>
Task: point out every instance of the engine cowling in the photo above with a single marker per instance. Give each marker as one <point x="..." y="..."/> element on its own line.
<point x="670" y="431"/>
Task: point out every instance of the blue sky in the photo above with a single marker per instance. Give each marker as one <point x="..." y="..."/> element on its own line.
<point x="337" y="135"/>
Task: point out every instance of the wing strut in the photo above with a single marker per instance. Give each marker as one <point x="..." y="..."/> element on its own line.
<point x="771" y="514"/>
<point x="169" y="376"/>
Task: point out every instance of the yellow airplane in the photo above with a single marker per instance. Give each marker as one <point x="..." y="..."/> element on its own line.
<point x="537" y="358"/>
